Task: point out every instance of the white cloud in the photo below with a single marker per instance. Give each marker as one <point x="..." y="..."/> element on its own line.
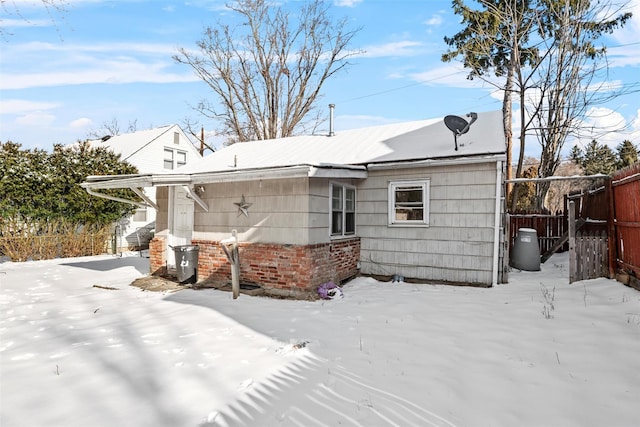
<point x="39" y="64"/>
<point x="112" y="72"/>
<point x="346" y="3"/>
<point x="81" y="123"/>
<point x="625" y="48"/>
<point x="434" y="21"/>
<point x="394" y="49"/>
<point x="18" y="106"/>
<point x="36" y="119"/>
<point x="17" y="23"/>
<point x="608" y="127"/>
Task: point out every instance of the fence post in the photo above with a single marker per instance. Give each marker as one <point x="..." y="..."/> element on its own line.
<point x="612" y="247"/>
<point x="572" y="241"/>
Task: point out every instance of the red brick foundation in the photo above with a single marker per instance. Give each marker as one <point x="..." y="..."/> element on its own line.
<point x="282" y="269"/>
<point x="157" y="256"/>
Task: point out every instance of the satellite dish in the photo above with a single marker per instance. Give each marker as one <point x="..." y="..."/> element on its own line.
<point x="459" y="126"/>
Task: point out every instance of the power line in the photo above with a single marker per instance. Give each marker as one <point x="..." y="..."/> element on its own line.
<point x="421" y="82"/>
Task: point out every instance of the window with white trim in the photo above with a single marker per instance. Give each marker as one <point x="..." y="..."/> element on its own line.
<point x="174" y="158"/>
<point x="409" y="203"/>
<point x="343" y="210"/>
<point x="140" y="215"/>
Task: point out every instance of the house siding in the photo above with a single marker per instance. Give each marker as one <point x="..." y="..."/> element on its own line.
<point x="278" y="211"/>
<point x="284" y="242"/>
<point x="458" y="244"/>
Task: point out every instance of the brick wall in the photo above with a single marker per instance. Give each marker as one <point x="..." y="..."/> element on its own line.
<point x="157" y="255"/>
<point x="282" y="269"/>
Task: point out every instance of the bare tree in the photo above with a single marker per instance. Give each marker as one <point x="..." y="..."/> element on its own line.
<point x="571" y="77"/>
<point x="558" y="189"/>
<point x="112" y="128"/>
<point x="11" y="10"/>
<point x="267" y="71"/>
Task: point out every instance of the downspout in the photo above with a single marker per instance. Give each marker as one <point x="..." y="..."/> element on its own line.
<point x="496" y="226"/>
<point x="115" y="199"/>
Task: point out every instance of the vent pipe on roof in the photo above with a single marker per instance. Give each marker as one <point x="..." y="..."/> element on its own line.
<point x="331" y="108"/>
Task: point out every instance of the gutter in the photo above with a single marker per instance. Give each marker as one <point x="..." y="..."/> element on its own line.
<point x="437" y="162"/>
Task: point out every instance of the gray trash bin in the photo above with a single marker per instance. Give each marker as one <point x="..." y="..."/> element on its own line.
<point x="187" y="263"/>
<point x="525" y="254"/>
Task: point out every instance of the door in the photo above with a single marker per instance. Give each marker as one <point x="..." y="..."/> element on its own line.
<point x="181" y="221"/>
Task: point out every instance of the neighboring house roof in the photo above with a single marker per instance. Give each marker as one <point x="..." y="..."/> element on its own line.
<point x="129" y="144"/>
<point x="419" y="140"/>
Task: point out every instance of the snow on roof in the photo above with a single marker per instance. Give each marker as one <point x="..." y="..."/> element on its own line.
<point x="419" y="140"/>
<point x="128" y="144"/>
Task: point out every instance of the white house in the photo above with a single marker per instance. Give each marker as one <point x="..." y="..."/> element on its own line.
<point x="154" y="150"/>
<point x="397" y="199"/>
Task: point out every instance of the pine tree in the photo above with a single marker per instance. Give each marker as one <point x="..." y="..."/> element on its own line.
<point x="627" y="154"/>
<point x="596" y="159"/>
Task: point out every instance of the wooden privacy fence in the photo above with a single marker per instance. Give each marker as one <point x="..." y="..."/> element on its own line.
<point x="549" y="227"/>
<point x="625" y="224"/>
<point x="601" y="228"/>
<point x="591" y="260"/>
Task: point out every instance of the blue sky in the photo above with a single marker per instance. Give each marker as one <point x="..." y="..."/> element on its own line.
<point x="63" y="75"/>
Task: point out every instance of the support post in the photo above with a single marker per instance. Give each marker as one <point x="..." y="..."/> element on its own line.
<point x="233" y="255"/>
<point x="572" y="241"/>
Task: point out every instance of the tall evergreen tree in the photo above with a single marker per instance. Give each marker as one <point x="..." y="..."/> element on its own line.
<point x="546" y="51"/>
<point x="596" y="159"/>
<point x="627" y="154"/>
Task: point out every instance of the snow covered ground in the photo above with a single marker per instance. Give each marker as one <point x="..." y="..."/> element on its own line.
<point x="535" y="352"/>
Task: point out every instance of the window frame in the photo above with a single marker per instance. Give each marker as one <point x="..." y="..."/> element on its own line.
<point x="424" y="184"/>
<point x="344" y="210"/>
<point x="178" y="158"/>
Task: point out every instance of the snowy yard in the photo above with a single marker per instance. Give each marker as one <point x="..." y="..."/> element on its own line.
<point x="535" y="352"/>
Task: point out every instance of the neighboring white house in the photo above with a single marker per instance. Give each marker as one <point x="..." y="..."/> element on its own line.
<point x="154" y="150"/>
<point x="406" y="199"/>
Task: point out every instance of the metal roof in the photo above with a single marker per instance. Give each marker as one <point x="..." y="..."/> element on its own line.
<point x="419" y="140"/>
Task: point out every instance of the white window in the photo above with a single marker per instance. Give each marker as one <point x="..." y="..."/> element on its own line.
<point x="409" y="202"/>
<point x="140" y="215"/>
<point x="174" y="158"/>
<point x="181" y="158"/>
<point x="176" y="138"/>
<point x="343" y="210"/>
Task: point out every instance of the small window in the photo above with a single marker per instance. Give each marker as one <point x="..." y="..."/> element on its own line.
<point x="343" y="210"/>
<point x="409" y="203"/>
<point x="140" y="215"/>
<point x="176" y="138"/>
<point x="168" y="158"/>
<point x="181" y="158"/>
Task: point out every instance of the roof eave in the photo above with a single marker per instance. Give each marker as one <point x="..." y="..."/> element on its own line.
<point x="405" y="164"/>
